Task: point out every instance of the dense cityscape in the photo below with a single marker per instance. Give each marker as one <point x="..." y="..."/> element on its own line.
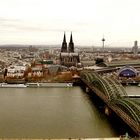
<point x="69" y="70"/>
<point x="21" y="64"/>
<point x="31" y="65"/>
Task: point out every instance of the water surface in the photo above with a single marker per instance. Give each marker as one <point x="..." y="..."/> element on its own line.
<point x="53" y="113"/>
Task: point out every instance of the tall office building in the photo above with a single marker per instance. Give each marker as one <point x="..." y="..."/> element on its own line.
<point x="135" y="48"/>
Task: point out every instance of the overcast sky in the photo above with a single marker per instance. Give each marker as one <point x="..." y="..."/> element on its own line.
<point x="44" y="21"/>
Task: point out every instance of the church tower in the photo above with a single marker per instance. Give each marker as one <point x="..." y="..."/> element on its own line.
<point x="68" y="57"/>
<point x="71" y="45"/>
<point x="64" y="44"/>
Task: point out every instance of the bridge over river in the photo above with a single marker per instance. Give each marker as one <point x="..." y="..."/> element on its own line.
<point x="115" y="97"/>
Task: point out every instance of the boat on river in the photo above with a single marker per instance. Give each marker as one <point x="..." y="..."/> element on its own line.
<point x="49" y="84"/>
<point x="35" y="85"/>
<point x="5" y="85"/>
<point x="55" y="84"/>
<point x="32" y="85"/>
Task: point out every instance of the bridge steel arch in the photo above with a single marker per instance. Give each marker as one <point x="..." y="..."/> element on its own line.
<point x="115" y="96"/>
<point x="107" y="85"/>
<point x="128" y="112"/>
<point x="93" y="78"/>
<point x="130" y="107"/>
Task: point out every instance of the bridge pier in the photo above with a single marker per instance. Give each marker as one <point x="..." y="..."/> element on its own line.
<point x="87" y="89"/>
<point x="107" y="111"/>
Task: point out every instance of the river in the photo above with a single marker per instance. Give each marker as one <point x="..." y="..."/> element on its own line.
<point x="52" y="113"/>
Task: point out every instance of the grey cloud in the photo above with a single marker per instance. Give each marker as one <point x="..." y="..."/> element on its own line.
<point x="22" y="26"/>
<point x="2" y="19"/>
<point x="6" y="23"/>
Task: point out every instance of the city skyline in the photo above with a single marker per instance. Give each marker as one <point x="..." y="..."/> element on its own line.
<point x="45" y="21"/>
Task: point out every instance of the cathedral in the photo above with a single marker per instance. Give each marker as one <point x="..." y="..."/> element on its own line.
<point x="67" y="55"/>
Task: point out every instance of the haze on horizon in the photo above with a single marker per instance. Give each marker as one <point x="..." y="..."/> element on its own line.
<point x="44" y="21"/>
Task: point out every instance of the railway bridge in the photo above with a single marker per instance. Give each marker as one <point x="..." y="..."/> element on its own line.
<point x="111" y="92"/>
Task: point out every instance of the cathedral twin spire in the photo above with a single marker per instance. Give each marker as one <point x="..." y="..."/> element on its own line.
<point x="64" y="45"/>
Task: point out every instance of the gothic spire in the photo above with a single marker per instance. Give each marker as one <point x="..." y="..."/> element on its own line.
<point x="64" y="39"/>
<point x="71" y="44"/>
<point x="64" y="44"/>
<point x="71" y="40"/>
